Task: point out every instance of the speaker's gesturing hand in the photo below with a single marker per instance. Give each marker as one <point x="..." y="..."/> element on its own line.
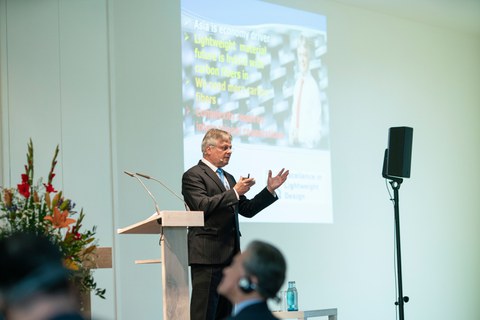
<point x="274" y="182"/>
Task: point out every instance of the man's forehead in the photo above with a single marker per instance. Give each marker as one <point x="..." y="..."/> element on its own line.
<point x="224" y="141"/>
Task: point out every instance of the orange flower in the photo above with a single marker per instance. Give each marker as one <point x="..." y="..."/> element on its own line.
<point x="36" y="198"/>
<point x="47" y="200"/>
<point x="60" y="219"/>
<point x="70" y="265"/>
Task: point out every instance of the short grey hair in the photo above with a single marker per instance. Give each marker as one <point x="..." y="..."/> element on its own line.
<point x="267" y="263"/>
<point x="212" y="136"/>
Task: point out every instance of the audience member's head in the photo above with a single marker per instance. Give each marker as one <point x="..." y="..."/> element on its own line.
<point x="34" y="284"/>
<point x="258" y="272"/>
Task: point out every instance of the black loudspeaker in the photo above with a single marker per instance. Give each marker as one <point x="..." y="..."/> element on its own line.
<point x="246" y="285"/>
<point x="398" y="156"/>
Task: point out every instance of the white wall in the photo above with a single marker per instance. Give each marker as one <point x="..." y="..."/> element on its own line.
<point x="55" y="90"/>
<point x="102" y="79"/>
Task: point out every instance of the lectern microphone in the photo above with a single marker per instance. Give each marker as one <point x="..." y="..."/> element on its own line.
<point x="133" y="175"/>
<point x="165" y="186"/>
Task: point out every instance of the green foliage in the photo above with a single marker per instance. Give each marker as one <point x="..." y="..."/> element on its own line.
<point x="40" y="209"/>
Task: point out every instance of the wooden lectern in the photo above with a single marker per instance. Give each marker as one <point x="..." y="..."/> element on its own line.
<point x="172" y="227"/>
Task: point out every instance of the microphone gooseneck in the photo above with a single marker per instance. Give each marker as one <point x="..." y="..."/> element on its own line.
<point x="165" y="186"/>
<point x="133" y="175"/>
<point x="129" y="173"/>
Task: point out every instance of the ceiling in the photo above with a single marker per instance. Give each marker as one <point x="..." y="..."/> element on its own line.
<point x="461" y="15"/>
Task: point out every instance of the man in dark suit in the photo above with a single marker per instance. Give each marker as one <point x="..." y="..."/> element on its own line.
<point x="221" y="198"/>
<point x="254" y="276"/>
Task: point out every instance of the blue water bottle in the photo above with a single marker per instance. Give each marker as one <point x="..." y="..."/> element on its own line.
<point x="292" y="297"/>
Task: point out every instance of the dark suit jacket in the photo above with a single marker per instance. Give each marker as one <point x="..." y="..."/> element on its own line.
<point x="257" y="311"/>
<point x="218" y="241"/>
<point x="68" y="316"/>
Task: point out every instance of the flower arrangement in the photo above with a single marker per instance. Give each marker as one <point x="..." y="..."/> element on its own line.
<point x="41" y="209"/>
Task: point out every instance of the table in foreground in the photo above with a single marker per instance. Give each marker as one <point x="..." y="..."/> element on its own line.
<point x="330" y="313"/>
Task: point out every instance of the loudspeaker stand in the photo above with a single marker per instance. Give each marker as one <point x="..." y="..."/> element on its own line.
<point x="395" y="183"/>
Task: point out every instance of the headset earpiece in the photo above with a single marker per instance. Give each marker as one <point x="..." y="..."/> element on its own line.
<point x="246" y="285"/>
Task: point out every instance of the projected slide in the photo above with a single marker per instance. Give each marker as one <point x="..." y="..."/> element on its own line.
<point x="257" y="70"/>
